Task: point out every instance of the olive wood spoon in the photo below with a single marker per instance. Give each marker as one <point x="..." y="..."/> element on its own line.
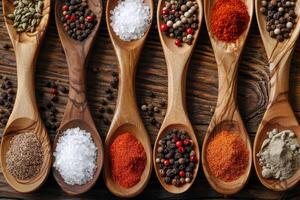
<point x="226" y="116"/>
<point x="25" y="116"/>
<point x="77" y="113"/>
<point x="279" y="113"/>
<point x="127" y="118"/>
<point x="177" y="59"/>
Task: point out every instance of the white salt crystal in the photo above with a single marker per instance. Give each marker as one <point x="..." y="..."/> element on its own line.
<point x="130" y="19"/>
<point x="75" y="156"/>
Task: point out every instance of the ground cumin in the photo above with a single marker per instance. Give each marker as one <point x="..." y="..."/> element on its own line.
<point x="24" y="157"/>
<point x="127" y="159"/>
<point x="229" y="19"/>
<point x="227" y="156"/>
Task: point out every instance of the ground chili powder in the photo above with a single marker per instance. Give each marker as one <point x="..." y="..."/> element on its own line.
<point x="227" y="156"/>
<point x="127" y="159"/>
<point x="229" y="19"/>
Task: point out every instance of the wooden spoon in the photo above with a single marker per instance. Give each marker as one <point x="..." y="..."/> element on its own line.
<point x="126" y="118"/>
<point x="25" y="116"/>
<point x="279" y="113"/>
<point x="77" y="113"/>
<point x="226" y="116"/>
<point x="177" y="59"/>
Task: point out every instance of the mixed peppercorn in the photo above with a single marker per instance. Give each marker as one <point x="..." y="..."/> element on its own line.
<point x="176" y="157"/>
<point x="50" y="101"/>
<point x="152" y="110"/>
<point x="78" y="20"/>
<point x="280" y="16"/>
<point x="180" y="20"/>
<point x="106" y="112"/>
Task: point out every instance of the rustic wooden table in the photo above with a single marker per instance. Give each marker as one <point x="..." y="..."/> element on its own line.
<point x="202" y="94"/>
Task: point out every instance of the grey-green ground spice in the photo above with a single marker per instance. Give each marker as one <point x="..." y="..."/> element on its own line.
<point x="24" y="157"/>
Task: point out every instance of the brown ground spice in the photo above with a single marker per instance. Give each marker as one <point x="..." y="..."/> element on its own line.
<point x="24" y="157"/>
<point x="227" y="156"/>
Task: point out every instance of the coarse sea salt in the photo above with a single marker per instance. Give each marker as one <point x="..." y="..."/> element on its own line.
<point x="130" y="19"/>
<point x="75" y="156"/>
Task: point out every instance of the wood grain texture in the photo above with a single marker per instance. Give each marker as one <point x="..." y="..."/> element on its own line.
<point x="177" y="60"/>
<point x="202" y="86"/>
<point x="25" y="116"/>
<point x="77" y="112"/>
<point x="127" y="117"/>
<point x="279" y="113"/>
<point x="227" y="115"/>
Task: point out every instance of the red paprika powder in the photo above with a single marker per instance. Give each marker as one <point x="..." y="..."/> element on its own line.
<point x="229" y="19"/>
<point x="227" y="156"/>
<point x="127" y="160"/>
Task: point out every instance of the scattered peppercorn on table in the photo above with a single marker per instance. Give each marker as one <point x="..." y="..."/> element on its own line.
<point x="151" y="83"/>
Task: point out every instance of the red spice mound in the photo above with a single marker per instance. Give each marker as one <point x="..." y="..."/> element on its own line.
<point x="229" y="19"/>
<point x="227" y="156"/>
<point x="127" y="160"/>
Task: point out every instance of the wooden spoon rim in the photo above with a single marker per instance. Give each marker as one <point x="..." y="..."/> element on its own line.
<point x="219" y="185"/>
<point x="33" y="120"/>
<point x="79" y="189"/>
<point x="144" y="139"/>
<point x="232" y="50"/>
<point x="189" y="129"/>
<point x="275" y="52"/>
<point x="235" y="47"/>
<point x="25" y="37"/>
<point x="277" y="47"/>
<point x="273" y="184"/>
<point x="91" y="36"/>
<point x="168" y="43"/>
<point x="34" y="183"/>
<point x="117" y="41"/>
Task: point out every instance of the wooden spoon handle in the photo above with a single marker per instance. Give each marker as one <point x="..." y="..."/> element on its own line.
<point x="227" y="72"/>
<point x="126" y="98"/>
<point x="25" y="104"/>
<point x="77" y="107"/>
<point x="177" y="66"/>
<point x="279" y="82"/>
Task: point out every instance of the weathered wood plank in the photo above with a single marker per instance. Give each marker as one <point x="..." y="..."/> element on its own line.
<point x="202" y="88"/>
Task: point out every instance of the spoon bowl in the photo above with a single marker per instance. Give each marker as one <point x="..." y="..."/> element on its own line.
<point x="26" y="125"/>
<point x="77" y="113"/>
<point x="219" y="185"/>
<point x="119" y="190"/>
<point x="275" y="123"/>
<point x="78" y="189"/>
<point x="227" y="116"/>
<point x="127" y="118"/>
<point x="25" y="116"/>
<point x="279" y="113"/>
<point x="171" y="188"/>
<point x="177" y="59"/>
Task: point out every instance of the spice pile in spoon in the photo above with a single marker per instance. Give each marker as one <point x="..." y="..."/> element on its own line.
<point x="280" y="17"/>
<point x="180" y="20"/>
<point x="78" y="20"/>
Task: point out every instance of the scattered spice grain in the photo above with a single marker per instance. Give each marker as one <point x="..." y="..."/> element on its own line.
<point x="227" y="156"/>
